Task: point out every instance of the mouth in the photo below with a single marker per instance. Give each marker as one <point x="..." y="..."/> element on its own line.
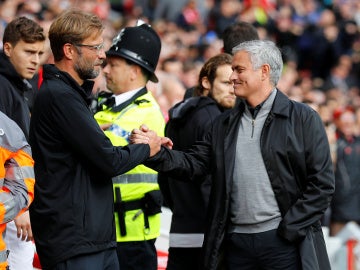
<point x="99" y="64"/>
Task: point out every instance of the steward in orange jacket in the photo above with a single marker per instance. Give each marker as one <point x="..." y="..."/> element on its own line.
<point x="16" y="177"/>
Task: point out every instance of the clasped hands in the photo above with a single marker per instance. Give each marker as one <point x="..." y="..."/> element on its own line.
<point x="146" y="136"/>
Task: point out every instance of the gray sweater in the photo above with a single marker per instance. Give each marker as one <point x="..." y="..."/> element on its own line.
<point x="253" y="206"/>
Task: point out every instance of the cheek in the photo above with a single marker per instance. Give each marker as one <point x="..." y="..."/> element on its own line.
<point x="117" y="76"/>
<point x="20" y="63"/>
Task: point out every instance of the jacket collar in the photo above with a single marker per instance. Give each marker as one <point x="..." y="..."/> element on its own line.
<point x="85" y="90"/>
<point x="281" y="104"/>
<point x="9" y="72"/>
<point x="182" y="108"/>
<point x="280" y="107"/>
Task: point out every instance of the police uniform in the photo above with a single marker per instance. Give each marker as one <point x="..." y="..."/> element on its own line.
<point x="137" y="196"/>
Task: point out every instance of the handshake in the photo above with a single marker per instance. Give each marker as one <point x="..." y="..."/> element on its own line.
<point x="146" y="136"/>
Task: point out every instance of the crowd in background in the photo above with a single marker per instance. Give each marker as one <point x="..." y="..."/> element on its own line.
<point x="320" y="41"/>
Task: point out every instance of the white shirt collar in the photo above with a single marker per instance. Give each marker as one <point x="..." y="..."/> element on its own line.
<point x="121" y="98"/>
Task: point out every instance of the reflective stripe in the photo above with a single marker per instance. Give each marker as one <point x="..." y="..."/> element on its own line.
<point x="3" y="256"/>
<point x="186" y="240"/>
<point x="11" y="207"/>
<point x="16" y="173"/>
<point x="135" y="178"/>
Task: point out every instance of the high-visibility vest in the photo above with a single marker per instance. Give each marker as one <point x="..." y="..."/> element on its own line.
<point x="16" y="177"/>
<point x="134" y="184"/>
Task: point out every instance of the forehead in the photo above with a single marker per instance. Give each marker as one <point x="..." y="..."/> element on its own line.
<point x="241" y="58"/>
<point x="223" y="69"/>
<point x="95" y="37"/>
<point x="35" y="46"/>
<point x="115" y="59"/>
<point x="241" y="55"/>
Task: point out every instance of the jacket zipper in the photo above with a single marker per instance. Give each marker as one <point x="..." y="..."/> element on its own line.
<point x="253" y="127"/>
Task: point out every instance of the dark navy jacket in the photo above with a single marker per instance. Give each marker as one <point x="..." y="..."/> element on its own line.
<point x="15" y="95"/>
<point x="72" y="212"/>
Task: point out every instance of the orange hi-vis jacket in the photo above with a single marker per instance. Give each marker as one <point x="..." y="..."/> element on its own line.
<point x="16" y="177"/>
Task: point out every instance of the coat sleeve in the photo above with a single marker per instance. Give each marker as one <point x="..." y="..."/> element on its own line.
<point x="180" y="165"/>
<point x="77" y="126"/>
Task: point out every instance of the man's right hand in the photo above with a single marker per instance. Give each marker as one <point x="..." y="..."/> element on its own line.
<point x="165" y="141"/>
<point x="144" y="135"/>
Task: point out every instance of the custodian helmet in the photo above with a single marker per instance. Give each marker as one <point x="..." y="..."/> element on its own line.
<point x="139" y="44"/>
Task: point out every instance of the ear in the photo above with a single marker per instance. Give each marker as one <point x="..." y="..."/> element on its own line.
<point x="205" y="83"/>
<point x="69" y="50"/>
<point x="137" y="72"/>
<point x="7" y="49"/>
<point x="206" y="86"/>
<point x="265" y="71"/>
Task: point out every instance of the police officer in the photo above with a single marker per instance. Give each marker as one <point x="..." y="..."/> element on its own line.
<point x="131" y="62"/>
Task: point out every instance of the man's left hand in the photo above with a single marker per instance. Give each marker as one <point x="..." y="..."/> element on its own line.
<point x="23" y="227"/>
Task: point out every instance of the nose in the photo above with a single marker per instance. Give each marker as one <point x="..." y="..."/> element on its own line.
<point x="36" y="58"/>
<point x="232" y="76"/>
<point x="231" y="88"/>
<point x="101" y="53"/>
<point x="106" y="69"/>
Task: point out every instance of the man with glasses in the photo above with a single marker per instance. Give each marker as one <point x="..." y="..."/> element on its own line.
<point x="73" y="212"/>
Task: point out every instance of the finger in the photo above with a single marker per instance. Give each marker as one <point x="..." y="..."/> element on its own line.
<point x="144" y="128"/>
<point x="135" y="131"/>
<point x="142" y="136"/>
<point x="30" y="236"/>
<point x="21" y="235"/>
<point x="140" y="141"/>
<point x="166" y="142"/>
<point x="29" y="239"/>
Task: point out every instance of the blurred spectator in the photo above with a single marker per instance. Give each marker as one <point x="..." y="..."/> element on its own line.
<point x="189" y="76"/>
<point x="237" y="32"/>
<point x="345" y="205"/>
<point x="189" y="17"/>
<point x="223" y="14"/>
<point x="173" y="65"/>
<point x="286" y="33"/>
<point x="341" y="81"/>
<point x="168" y="9"/>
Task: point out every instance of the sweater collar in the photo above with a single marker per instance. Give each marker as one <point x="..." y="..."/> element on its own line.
<point x="280" y="106"/>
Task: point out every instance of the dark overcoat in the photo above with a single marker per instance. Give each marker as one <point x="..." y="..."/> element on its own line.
<point x="296" y="154"/>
